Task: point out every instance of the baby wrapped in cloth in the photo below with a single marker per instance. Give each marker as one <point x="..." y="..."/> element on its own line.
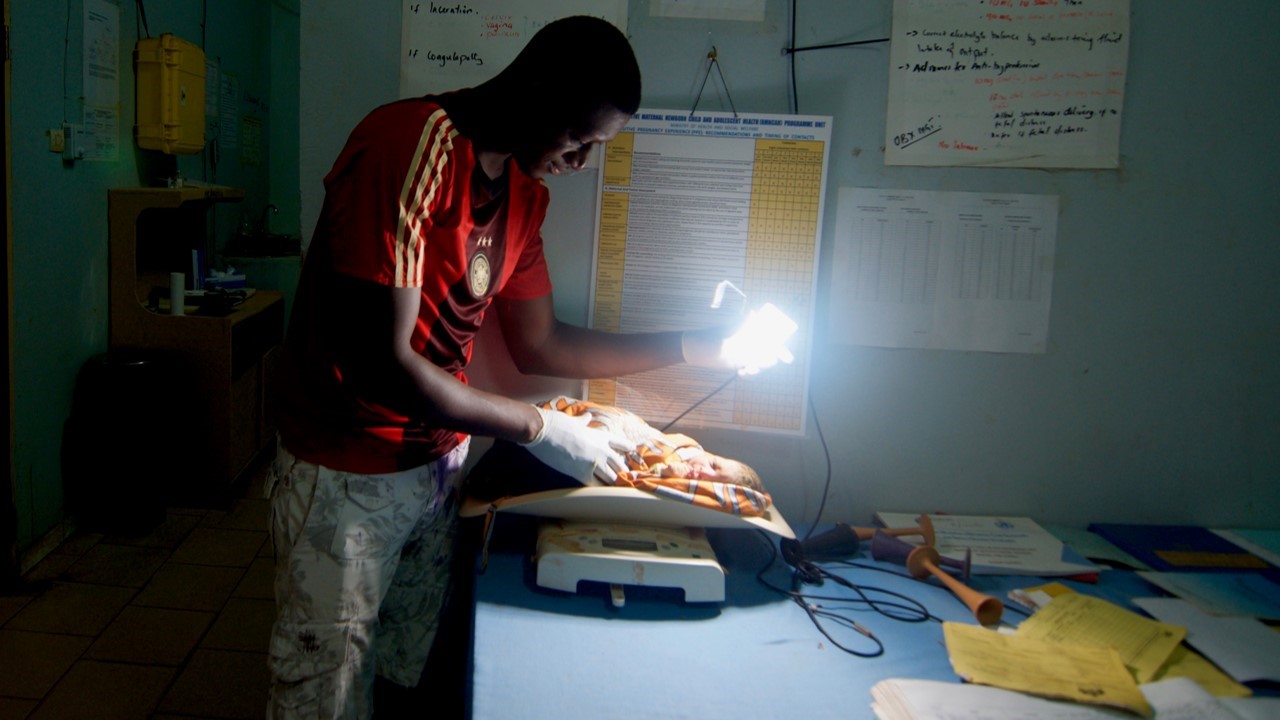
<point x="673" y="465"/>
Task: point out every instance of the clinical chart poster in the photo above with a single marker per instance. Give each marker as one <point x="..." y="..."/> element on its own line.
<point x="1007" y="83"/>
<point x="686" y="203"/>
<point x="943" y="270"/>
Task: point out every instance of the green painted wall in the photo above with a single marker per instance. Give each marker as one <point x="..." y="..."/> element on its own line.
<point x="60" y="210"/>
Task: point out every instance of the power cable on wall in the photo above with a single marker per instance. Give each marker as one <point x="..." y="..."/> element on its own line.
<point x="791" y="51"/>
<point x="66" y="44"/>
<point x="142" y="16"/>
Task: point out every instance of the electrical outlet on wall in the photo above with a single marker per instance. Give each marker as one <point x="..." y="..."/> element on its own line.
<point x="72" y="142"/>
<point x="57" y="141"/>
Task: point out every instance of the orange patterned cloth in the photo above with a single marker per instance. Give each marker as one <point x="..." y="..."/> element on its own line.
<point x="658" y="463"/>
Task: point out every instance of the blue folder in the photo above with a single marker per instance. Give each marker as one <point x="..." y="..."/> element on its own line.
<point x="1173" y="548"/>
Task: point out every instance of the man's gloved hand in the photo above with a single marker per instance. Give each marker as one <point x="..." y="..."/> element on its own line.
<point x="568" y="445"/>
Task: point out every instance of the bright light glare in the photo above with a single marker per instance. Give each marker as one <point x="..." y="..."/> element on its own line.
<point x="718" y="298"/>
<point x="761" y="341"/>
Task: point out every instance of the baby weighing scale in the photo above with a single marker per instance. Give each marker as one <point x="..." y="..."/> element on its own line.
<point x="625" y="536"/>
<point x="619" y="555"/>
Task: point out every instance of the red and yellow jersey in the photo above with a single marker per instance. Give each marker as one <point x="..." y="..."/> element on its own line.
<point x="406" y="206"/>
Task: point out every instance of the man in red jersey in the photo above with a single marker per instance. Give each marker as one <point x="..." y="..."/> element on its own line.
<point x="432" y="215"/>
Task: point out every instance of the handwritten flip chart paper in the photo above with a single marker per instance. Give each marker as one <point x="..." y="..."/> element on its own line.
<point x="450" y="45"/>
<point x="1007" y="83"/>
<point x="943" y="270"/>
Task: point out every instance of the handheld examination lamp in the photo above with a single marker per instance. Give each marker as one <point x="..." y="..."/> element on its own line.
<point x="760" y="341"/>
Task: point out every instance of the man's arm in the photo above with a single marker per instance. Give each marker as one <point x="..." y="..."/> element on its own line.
<point x="448" y="402"/>
<point x="540" y="344"/>
<point x="566" y="444"/>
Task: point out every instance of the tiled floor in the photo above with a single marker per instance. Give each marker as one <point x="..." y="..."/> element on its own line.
<point x="173" y="624"/>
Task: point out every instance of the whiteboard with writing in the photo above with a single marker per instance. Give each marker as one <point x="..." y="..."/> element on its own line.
<point x="1012" y="83"/>
<point x="450" y="45"/>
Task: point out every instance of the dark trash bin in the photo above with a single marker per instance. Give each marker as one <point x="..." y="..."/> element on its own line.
<point x="121" y="448"/>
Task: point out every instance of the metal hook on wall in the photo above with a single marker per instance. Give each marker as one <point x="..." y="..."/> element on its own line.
<point x="713" y="62"/>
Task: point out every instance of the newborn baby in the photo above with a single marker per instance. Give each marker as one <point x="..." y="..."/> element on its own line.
<point x="672" y="465"/>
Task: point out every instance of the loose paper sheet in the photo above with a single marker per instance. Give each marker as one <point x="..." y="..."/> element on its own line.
<point x="1082" y="673"/>
<point x="895" y="698"/>
<point x="1247" y="649"/>
<point x="1245" y="594"/>
<point x="1094" y="546"/>
<point x="1011" y="83"/>
<point x="1185" y="663"/>
<point x="1253" y="708"/>
<point x="1143" y="644"/>
<point x="1263" y="543"/>
<point x="1182" y="662"/>
<point x="943" y="270"/>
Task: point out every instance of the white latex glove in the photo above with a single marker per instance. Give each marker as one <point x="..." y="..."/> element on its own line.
<point x="568" y="445"/>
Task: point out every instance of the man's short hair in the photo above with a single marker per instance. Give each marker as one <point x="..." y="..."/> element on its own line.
<point x="579" y="63"/>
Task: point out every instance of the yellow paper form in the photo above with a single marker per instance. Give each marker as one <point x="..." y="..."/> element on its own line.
<point x="1082" y="673"/>
<point x="1144" y="644"/>
<point x="1038" y="596"/>
<point x="1187" y="664"/>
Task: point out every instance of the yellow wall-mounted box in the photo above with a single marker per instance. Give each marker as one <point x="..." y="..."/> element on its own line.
<point x="170" y="97"/>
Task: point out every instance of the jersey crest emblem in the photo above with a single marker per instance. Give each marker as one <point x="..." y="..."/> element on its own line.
<point x="479" y="275"/>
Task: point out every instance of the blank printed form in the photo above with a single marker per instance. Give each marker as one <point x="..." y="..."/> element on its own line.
<point x="943" y="270"/>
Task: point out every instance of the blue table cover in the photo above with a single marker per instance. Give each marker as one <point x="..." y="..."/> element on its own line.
<point x="540" y="653"/>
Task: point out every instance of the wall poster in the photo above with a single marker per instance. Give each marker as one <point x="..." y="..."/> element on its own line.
<point x="687" y="202"/>
<point x="943" y="270"/>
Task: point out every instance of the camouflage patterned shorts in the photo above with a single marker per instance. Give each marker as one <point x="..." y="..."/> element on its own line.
<point x="362" y="573"/>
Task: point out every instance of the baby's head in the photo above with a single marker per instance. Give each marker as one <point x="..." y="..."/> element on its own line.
<point x="708" y="466"/>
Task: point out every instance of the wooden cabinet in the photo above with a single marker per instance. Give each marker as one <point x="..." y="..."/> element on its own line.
<point x="226" y="355"/>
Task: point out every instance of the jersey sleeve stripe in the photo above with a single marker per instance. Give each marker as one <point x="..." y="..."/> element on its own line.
<point x="419" y="189"/>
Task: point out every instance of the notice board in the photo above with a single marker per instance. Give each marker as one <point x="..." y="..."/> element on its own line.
<point x="1014" y="83"/>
